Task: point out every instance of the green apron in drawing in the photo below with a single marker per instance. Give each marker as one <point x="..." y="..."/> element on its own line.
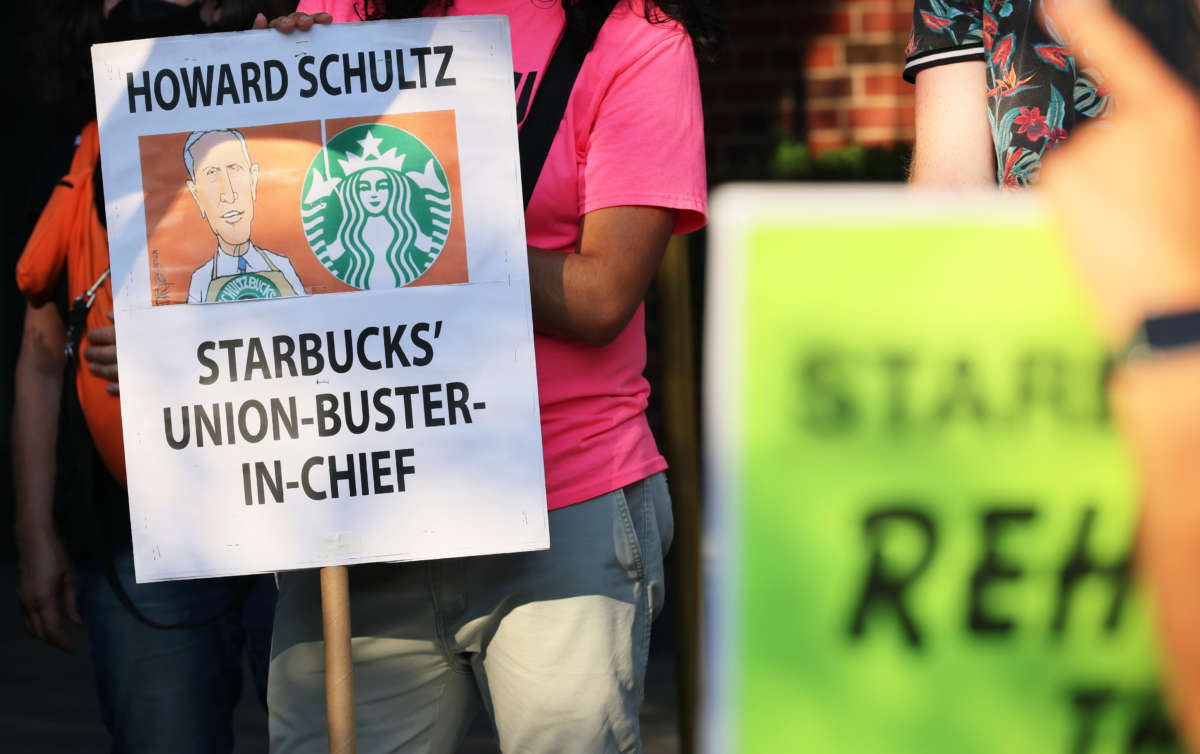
<point x="245" y="285"/>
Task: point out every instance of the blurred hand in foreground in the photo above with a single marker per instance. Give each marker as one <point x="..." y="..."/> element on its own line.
<point x="1128" y="192"/>
<point x="1128" y="196"/>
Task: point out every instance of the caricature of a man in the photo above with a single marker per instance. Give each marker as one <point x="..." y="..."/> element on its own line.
<point x="224" y="182"/>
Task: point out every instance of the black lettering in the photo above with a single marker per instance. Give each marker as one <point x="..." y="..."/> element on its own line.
<point x="407" y="392"/>
<point x="962" y="395"/>
<point x="897" y="368"/>
<point x="356" y="427"/>
<point x="182" y="442"/>
<point x="446" y="51"/>
<point x="456" y="401"/>
<point x="304" y="478"/>
<point x="887" y="583"/>
<point x="402" y="469"/>
<point x="333" y="362"/>
<point x="284" y="347"/>
<point x="362" y="348"/>
<point x="226" y="86"/>
<point x="311" y="361"/>
<point x="1152" y="729"/>
<point x="285" y="418"/>
<point x="1041" y="378"/>
<point x="261" y="411"/>
<point x="1088" y="704"/>
<point x="328" y="422"/>
<point x="382" y="407"/>
<point x="384" y="84"/>
<point x="349" y="72"/>
<point x="420" y="54"/>
<point x="380" y="473"/>
<point x="166" y="103"/>
<point x="427" y="391"/>
<point x="347" y="475"/>
<point x="311" y="88"/>
<point x="246" y="483"/>
<point x="1080" y="564"/>
<point x="274" y="94"/>
<point x="421" y="343"/>
<point x="197" y="88"/>
<point x="827" y="397"/>
<point x="392" y="349"/>
<point x="402" y="82"/>
<point x="363" y="474"/>
<point x="327" y="61"/>
<point x="210" y="425"/>
<point x="256" y="359"/>
<point x="202" y="356"/>
<point x="229" y="423"/>
<point x="138" y="91"/>
<point x="271" y="480"/>
<point x="231" y="347"/>
<point x="994" y="568"/>
<point x="251" y="75"/>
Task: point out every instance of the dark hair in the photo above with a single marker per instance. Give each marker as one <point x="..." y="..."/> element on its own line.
<point x="62" y="32"/>
<point x="58" y="50"/>
<point x="586" y="16"/>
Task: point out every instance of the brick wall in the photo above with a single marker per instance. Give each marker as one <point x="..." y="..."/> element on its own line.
<point x="824" y="72"/>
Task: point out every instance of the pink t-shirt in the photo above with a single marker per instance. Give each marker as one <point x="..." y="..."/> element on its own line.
<point x="632" y="135"/>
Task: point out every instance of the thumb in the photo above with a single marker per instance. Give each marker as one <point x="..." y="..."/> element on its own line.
<point x="260" y="22"/>
<point x="1128" y="62"/>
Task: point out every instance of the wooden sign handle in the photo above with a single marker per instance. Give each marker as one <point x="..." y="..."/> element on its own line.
<point x="339" y="670"/>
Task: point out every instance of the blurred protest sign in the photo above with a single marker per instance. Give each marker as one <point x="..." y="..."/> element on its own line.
<point x="920" y="517"/>
<point x="268" y="426"/>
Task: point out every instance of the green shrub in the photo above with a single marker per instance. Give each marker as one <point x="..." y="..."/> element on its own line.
<point x="793" y="161"/>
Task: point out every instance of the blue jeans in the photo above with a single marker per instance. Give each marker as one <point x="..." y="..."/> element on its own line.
<point x="174" y="690"/>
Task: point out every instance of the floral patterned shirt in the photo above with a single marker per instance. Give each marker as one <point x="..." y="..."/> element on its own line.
<point x="1036" y="94"/>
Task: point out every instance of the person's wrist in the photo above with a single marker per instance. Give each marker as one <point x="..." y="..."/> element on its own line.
<point x="1166" y="297"/>
<point x="1164" y="349"/>
<point x="1155" y="399"/>
<point x="30" y="532"/>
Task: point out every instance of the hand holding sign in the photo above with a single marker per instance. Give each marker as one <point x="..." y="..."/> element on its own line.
<point x="292" y="22"/>
<point x="101" y="354"/>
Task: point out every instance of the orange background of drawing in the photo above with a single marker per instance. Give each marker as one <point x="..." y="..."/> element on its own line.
<point x="180" y="240"/>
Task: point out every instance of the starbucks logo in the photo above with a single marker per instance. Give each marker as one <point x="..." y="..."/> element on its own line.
<point x="247" y="286"/>
<point x="376" y="207"/>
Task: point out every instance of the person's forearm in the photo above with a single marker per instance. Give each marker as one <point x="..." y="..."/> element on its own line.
<point x="38" y="382"/>
<point x="591" y="295"/>
<point x="570" y="298"/>
<point x="35" y="433"/>
<point x="1159" y="408"/>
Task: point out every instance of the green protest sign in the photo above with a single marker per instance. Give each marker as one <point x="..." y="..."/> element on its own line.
<point x="921" y="518"/>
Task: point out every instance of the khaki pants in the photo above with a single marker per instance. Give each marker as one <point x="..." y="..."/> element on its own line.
<point x="552" y="644"/>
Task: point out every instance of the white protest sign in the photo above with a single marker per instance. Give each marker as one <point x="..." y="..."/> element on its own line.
<point x="322" y="299"/>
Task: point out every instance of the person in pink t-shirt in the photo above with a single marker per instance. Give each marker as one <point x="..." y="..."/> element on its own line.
<point x="553" y="644"/>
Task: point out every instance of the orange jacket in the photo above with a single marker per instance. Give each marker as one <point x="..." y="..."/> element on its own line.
<point x="69" y="234"/>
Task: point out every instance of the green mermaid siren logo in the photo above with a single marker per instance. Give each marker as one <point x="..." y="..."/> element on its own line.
<point x="376" y="207"/>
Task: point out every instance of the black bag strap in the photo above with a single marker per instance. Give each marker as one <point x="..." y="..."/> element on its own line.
<point x="549" y="105"/>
